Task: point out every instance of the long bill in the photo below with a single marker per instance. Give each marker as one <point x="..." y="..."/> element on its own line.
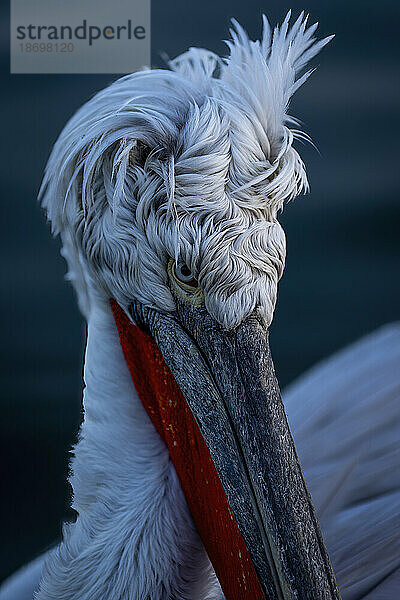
<point x="228" y="382"/>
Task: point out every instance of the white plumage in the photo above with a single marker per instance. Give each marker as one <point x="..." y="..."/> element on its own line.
<point x="345" y="415"/>
<point x="345" y="419"/>
<point x="195" y="164"/>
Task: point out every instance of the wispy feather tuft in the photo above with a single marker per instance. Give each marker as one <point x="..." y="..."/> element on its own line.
<point x="184" y="163"/>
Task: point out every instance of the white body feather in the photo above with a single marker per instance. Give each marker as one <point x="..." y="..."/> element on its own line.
<point x="348" y="439"/>
<point x="218" y="164"/>
<point x="134" y="536"/>
<point x="345" y="419"/>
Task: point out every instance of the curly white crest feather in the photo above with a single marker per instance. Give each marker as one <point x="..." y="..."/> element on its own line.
<point x="193" y="163"/>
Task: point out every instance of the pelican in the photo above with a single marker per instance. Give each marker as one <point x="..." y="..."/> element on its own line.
<point x="166" y="189"/>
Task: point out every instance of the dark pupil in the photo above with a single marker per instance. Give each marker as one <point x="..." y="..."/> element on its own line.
<point x="185" y="271"/>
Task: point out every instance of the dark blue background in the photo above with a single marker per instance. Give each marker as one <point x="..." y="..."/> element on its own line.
<point x="341" y="278"/>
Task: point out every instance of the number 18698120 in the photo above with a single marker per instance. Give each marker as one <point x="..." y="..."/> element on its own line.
<point x="47" y="47"/>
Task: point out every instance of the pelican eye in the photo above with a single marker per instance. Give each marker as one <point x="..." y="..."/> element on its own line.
<point x="183" y="283"/>
<point x="184" y="275"/>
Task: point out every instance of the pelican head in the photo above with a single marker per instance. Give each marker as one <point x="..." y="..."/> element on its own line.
<point x="166" y="189"/>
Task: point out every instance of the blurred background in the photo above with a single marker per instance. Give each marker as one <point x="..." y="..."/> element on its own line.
<point x="342" y="275"/>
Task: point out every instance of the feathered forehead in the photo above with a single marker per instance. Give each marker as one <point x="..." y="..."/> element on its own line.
<point x="194" y="162"/>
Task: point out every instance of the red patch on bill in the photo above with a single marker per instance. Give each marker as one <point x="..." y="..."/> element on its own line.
<point x="175" y="423"/>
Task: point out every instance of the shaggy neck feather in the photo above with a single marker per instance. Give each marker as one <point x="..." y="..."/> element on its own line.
<point x="133" y="537"/>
